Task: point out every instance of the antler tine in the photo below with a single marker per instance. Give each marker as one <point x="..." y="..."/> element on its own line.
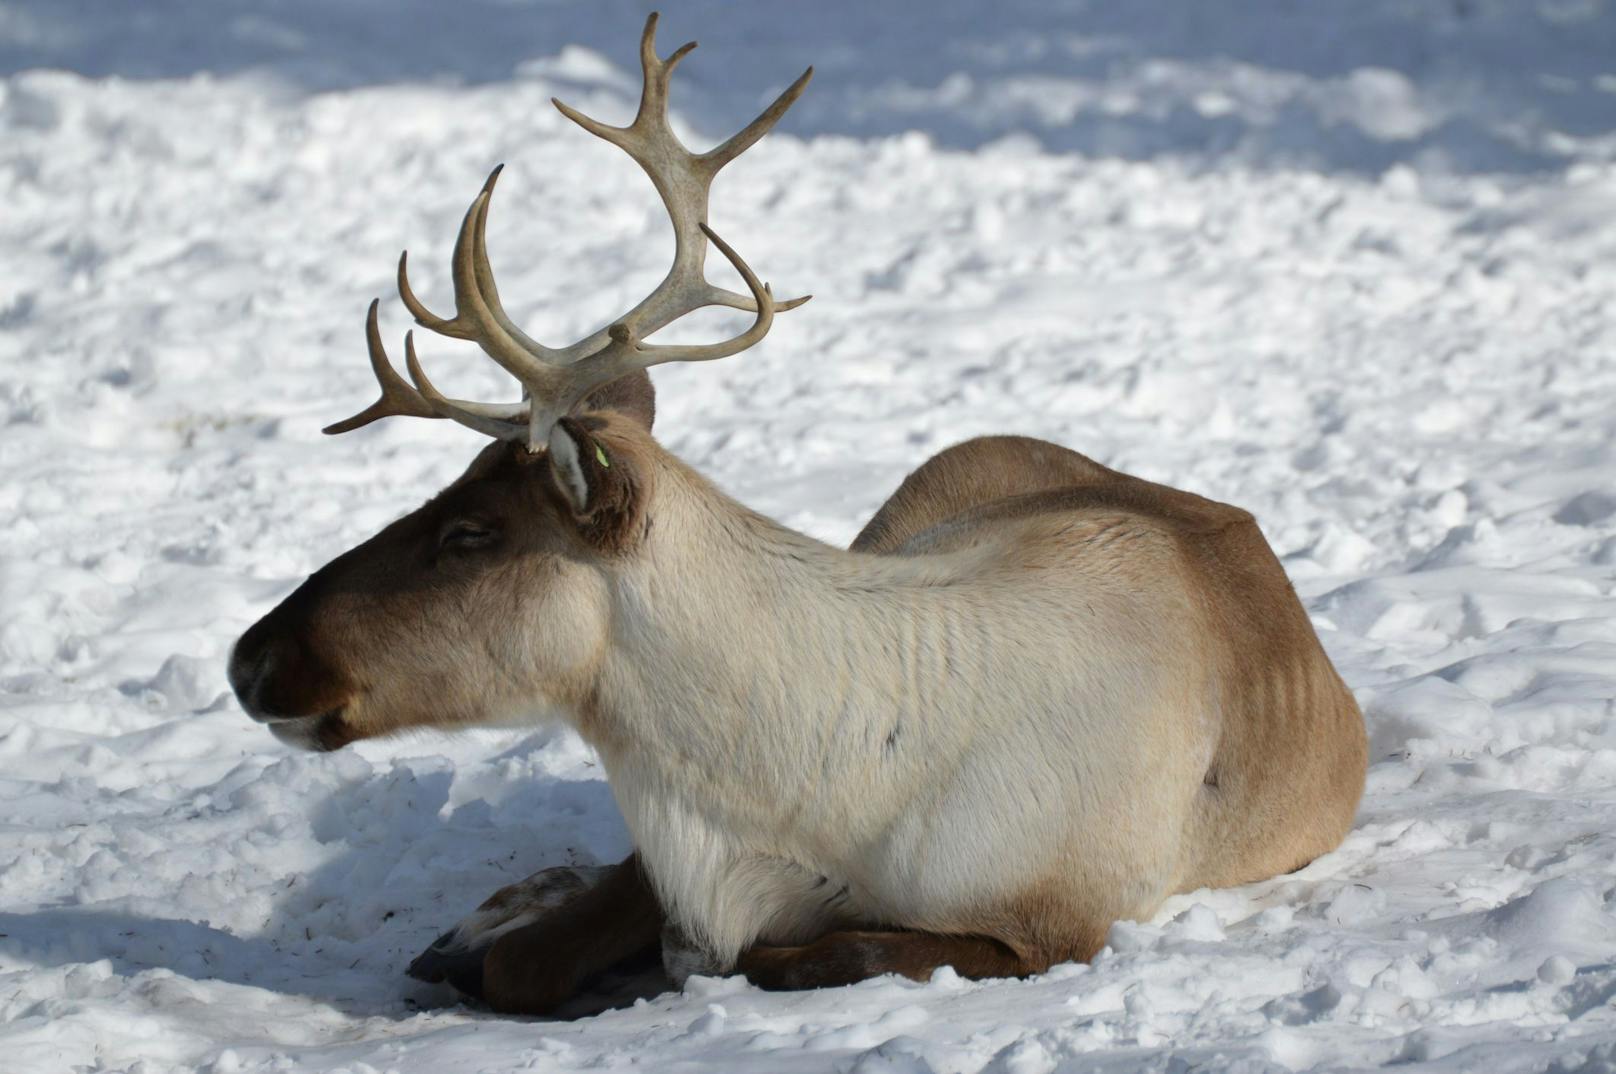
<point x="626" y="354"/>
<point x="742" y="140"/>
<point x="479" y="316"/>
<point x="653" y="92"/>
<point x="500" y="421"/>
<point x="397" y="398"/>
<point x="658" y="72"/>
<point x="485" y="276"/>
<point x="762" y="298"/>
<point x="683" y="179"/>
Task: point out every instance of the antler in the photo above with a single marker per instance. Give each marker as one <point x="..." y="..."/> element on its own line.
<point x="556" y="379"/>
<point x="398" y="398"/>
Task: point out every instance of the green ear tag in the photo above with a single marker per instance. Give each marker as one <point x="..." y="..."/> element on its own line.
<point x="600" y="457"/>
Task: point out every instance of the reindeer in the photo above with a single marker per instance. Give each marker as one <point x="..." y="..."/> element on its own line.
<point x="1034" y="697"/>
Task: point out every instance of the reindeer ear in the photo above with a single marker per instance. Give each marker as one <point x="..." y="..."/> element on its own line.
<point x="599" y="487"/>
<point x="569" y="445"/>
<point x="631" y="394"/>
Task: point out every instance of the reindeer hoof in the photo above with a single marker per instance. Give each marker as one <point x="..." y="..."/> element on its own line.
<point x="457" y="956"/>
<point x="451" y="959"/>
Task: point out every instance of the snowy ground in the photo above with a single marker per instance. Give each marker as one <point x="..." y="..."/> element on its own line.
<point x="1350" y="265"/>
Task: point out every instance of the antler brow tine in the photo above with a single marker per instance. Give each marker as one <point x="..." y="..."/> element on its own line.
<point x="397" y="397"/>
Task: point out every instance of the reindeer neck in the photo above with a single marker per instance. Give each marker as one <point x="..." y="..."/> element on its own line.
<point x="739" y="645"/>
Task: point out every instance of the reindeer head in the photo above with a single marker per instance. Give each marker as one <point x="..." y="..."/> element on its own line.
<point x="491" y="599"/>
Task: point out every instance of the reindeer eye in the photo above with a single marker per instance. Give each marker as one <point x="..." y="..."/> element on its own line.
<point x="465" y="534"/>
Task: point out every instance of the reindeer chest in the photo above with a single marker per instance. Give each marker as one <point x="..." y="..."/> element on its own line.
<point x="731" y="873"/>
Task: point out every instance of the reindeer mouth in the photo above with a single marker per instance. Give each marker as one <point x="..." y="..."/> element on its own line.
<point x="317" y="734"/>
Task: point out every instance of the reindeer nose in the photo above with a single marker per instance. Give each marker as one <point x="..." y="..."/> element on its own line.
<point x="276" y="677"/>
<point x="253" y="664"/>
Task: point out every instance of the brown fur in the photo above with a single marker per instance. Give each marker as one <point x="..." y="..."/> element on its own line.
<point x="981" y="471"/>
<point x="1283" y="697"/>
<point x="613" y="519"/>
<point x="632" y="396"/>
<point x="301" y="667"/>
<point x="536" y="967"/>
<point x="844" y="958"/>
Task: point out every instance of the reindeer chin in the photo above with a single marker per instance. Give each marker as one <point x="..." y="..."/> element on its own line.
<point x="316" y="734"/>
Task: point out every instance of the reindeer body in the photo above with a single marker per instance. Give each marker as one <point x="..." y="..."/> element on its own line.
<point x="1026" y="716"/>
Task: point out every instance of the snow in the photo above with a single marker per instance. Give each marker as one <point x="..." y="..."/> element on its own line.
<point x="1349" y="265"/>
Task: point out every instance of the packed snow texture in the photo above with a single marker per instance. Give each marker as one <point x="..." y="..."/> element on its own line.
<point x="1351" y="265"/>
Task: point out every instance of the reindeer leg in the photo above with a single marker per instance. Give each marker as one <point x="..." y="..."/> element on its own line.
<point x="843" y="958"/>
<point x="457" y="955"/>
<point x="530" y="946"/>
